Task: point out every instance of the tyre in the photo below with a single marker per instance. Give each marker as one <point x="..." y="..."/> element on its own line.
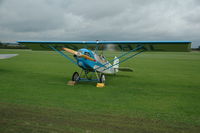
<point x="75" y="77"/>
<point x="102" y="78"/>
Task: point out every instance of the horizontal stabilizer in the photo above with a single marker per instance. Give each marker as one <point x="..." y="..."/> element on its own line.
<point x="125" y="69"/>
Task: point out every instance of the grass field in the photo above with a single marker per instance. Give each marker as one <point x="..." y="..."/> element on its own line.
<point x="161" y="95"/>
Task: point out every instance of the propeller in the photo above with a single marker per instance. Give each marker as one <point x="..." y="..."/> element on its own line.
<point x="79" y="54"/>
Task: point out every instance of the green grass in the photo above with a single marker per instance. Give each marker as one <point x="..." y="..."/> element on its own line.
<point x="161" y="95"/>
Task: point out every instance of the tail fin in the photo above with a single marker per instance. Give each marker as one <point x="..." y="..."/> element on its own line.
<point x="116" y="64"/>
<point x="117" y="68"/>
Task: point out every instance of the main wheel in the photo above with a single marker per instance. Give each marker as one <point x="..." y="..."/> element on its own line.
<point x="75" y="77"/>
<point x="102" y="78"/>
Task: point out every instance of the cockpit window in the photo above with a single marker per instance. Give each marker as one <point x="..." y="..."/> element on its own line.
<point x="88" y="54"/>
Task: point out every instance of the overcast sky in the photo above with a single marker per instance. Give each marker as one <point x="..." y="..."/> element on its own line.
<point x="66" y="20"/>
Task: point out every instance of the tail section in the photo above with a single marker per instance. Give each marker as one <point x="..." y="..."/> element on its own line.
<point x="117" y="68"/>
<point x="116" y="64"/>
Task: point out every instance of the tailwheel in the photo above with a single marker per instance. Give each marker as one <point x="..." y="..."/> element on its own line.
<point x="75" y="77"/>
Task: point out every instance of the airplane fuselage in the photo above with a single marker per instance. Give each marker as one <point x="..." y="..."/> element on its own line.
<point x="99" y="64"/>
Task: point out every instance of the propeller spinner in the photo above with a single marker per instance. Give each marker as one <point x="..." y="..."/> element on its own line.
<point x="78" y="54"/>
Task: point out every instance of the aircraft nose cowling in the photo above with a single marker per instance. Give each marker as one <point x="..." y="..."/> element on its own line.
<point x="81" y="64"/>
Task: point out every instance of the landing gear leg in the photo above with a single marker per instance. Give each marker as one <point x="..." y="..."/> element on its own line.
<point x="101" y="80"/>
<point x="84" y="76"/>
<point x="75" y="77"/>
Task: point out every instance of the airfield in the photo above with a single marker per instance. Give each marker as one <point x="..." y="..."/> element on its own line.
<point x="161" y="95"/>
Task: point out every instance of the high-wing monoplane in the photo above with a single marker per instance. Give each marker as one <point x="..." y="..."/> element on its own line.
<point x="87" y="58"/>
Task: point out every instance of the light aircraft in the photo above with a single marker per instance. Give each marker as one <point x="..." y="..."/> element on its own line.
<point x="97" y="65"/>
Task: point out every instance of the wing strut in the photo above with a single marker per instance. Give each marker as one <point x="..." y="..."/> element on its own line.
<point x="125" y="59"/>
<point x="60" y="52"/>
<point x="139" y="47"/>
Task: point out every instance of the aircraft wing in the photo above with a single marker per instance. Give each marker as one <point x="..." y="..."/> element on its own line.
<point x="44" y="45"/>
<point x="120" y="45"/>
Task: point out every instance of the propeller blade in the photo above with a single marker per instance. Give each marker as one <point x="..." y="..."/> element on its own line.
<point x="78" y="54"/>
<point x="87" y="57"/>
<point x="71" y="51"/>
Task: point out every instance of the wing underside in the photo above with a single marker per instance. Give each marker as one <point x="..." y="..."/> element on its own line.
<point x="118" y="45"/>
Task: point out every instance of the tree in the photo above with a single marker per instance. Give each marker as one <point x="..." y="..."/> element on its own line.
<point x="1" y="45"/>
